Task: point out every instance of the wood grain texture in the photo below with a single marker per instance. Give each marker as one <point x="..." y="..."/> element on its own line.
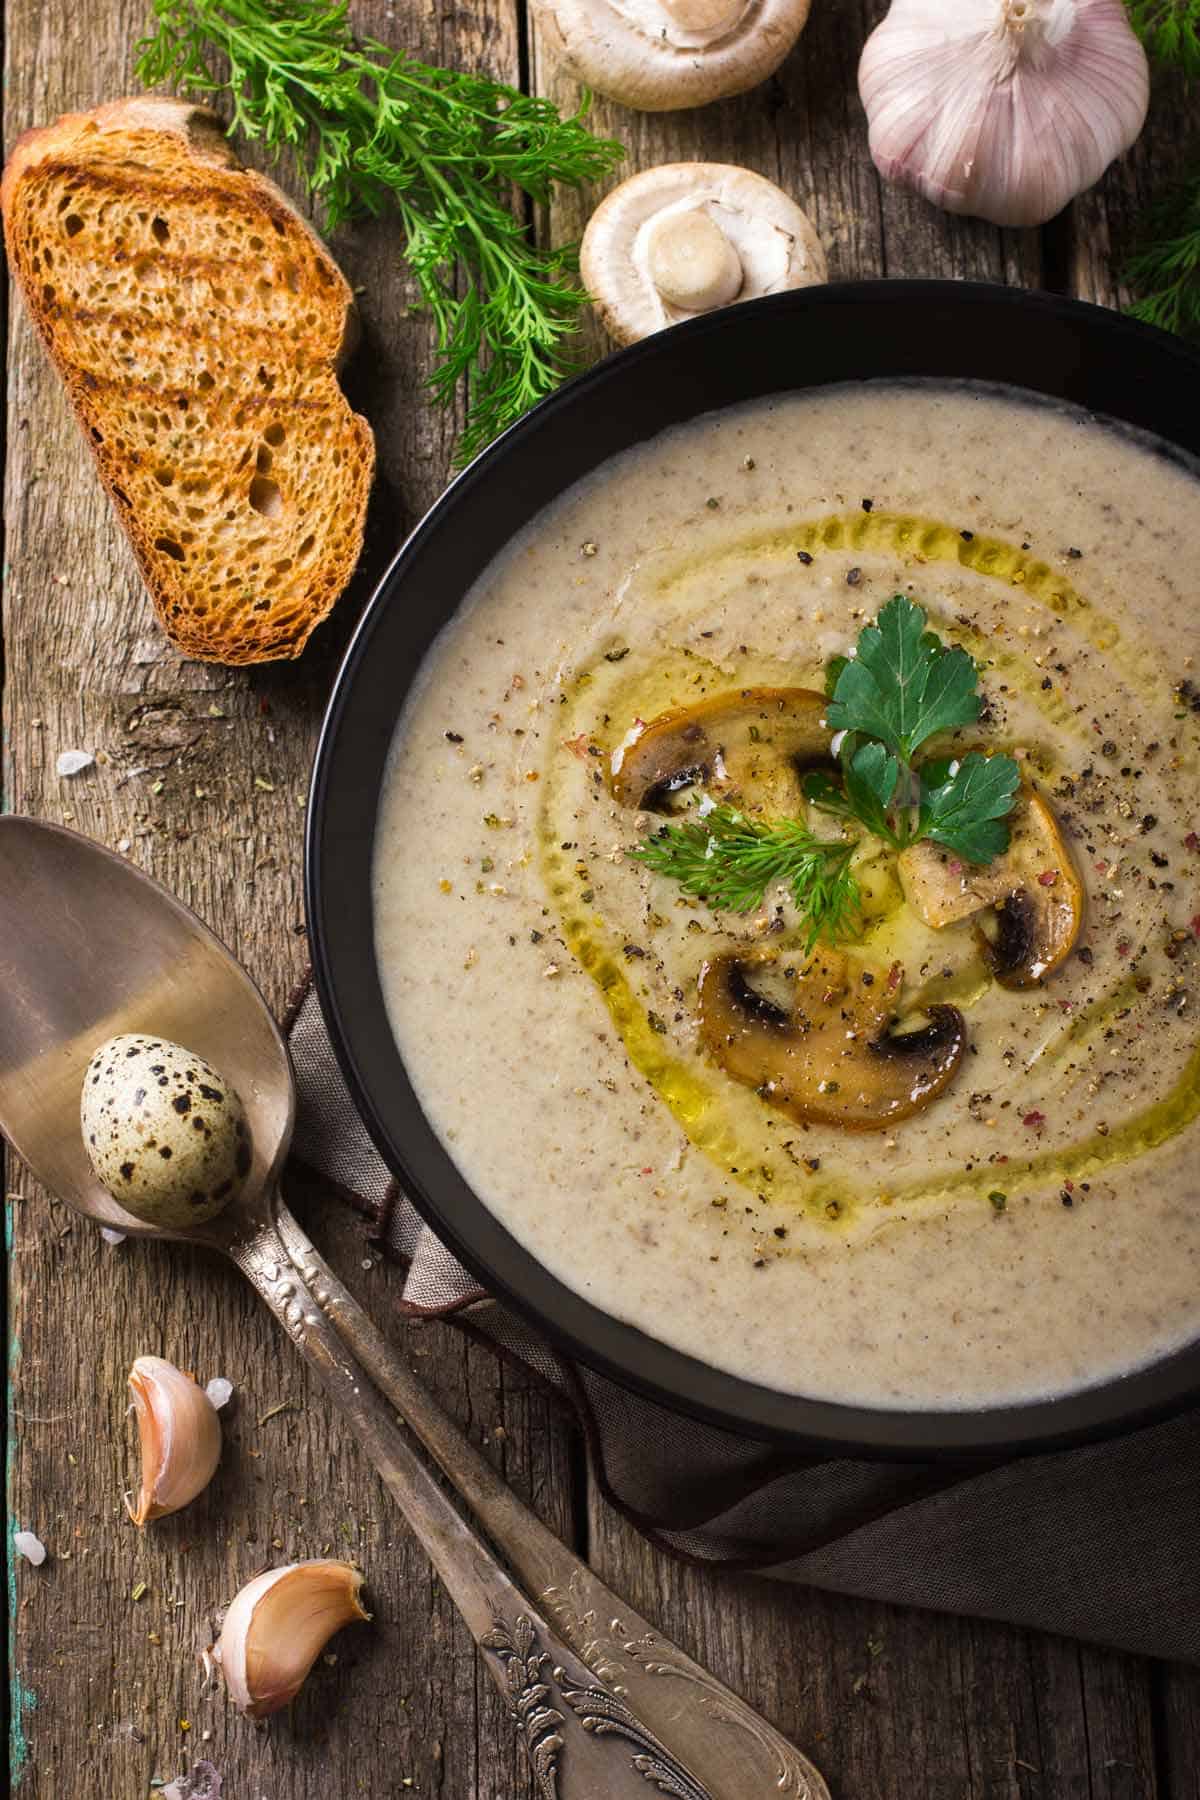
<point x="891" y="1703"/>
<point x="186" y="752"/>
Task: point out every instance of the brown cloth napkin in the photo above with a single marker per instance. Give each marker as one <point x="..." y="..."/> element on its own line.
<point x="1100" y="1543"/>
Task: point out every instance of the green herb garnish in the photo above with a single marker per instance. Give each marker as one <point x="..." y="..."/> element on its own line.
<point x="1170" y="30"/>
<point x="730" y="861"/>
<point x="1164" y="271"/>
<point x="445" y="148"/>
<point x="901" y="687"/>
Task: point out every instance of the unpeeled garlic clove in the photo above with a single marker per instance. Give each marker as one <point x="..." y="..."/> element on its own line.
<point x="278" y="1625"/>
<point x="1004" y="109"/>
<point x="180" y="1437"/>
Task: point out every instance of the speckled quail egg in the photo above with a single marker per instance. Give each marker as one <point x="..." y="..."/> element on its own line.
<point x="165" y="1133"/>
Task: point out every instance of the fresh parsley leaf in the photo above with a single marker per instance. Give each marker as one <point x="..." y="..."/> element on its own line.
<point x="823" y="791"/>
<point x="833" y="670"/>
<point x="903" y="684"/>
<point x="964" y="805"/>
<point x="730" y="861"/>
<point x="871" y="778"/>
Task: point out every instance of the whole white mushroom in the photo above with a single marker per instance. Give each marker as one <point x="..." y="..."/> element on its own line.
<point x="686" y="238"/>
<point x="662" y="55"/>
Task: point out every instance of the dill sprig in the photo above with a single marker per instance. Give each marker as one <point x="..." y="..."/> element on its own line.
<point x="1170" y="30"/>
<point x="1165" y="270"/>
<point x="730" y="861"/>
<point x="375" y="129"/>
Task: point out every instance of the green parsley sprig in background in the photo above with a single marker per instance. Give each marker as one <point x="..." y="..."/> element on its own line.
<point x="1170" y="30"/>
<point x="730" y="861"/>
<point x="374" y="130"/>
<point x="901" y="687"/>
<point x="1164" y="270"/>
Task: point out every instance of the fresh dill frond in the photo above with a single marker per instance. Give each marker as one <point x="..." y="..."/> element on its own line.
<point x="1170" y="30"/>
<point x="730" y="861"/>
<point x="446" y="149"/>
<point x="1165" y="271"/>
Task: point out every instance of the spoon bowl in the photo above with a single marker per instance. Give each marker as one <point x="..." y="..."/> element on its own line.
<point x="90" y="947"/>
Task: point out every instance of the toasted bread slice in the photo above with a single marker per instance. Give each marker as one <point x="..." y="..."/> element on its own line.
<point x="199" y="324"/>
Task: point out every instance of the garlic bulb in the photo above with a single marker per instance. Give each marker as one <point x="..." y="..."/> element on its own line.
<point x="278" y="1625"/>
<point x="180" y="1438"/>
<point x="1002" y="108"/>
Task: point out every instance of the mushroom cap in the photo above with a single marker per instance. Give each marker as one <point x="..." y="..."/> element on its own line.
<point x="1034" y="888"/>
<point x="829" y="1056"/>
<point x="773" y="241"/>
<point x="663" y="55"/>
<point x="749" y="741"/>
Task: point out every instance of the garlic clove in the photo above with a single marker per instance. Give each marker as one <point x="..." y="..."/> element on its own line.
<point x="180" y="1438"/>
<point x="278" y="1625"/>
<point x="29" y="1545"/>
<point x="1003" y="109"/>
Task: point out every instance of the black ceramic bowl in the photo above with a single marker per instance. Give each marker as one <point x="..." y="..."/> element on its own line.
<point x="852" y="331"/>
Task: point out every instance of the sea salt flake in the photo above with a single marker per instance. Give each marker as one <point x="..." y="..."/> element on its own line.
<point x="73" y="762"/>
<point x="29" y="1545"/>
<point x="219" y="1391"/>
<point x="112" y="1237"/>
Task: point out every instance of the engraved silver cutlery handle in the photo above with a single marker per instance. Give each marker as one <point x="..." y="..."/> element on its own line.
<point x="583" y="1739"/>
<point x="706" y="1724"/>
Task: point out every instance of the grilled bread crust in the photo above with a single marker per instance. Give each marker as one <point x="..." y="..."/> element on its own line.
<point x="199" y="324"/>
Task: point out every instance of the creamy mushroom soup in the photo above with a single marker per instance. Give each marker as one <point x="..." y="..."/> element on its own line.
<point x="962" y="1214"/>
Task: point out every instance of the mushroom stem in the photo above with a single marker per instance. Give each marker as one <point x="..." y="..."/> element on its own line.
<point x="702" y="15"/>
<point x="691" y="262"/>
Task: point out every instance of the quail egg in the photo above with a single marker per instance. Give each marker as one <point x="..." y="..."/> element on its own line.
<point x="165" y="1133"/>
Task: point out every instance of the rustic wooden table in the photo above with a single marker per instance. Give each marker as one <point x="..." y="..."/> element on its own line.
<point x="200" y="777"/>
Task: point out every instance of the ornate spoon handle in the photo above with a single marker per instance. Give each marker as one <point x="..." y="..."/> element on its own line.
<point x="583" y="1740"/>
<point x="707" y="1724"/>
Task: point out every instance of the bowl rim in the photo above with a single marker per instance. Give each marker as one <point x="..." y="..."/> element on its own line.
<point x="347" y="985"/>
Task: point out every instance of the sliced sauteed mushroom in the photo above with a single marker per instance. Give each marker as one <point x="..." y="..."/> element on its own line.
<point x="751" y="743"/>
<point x="661" y="55"/>
<point x="689" y="237"/>
<point x="1034" y="888"/>
<point x="823" y="1049"/>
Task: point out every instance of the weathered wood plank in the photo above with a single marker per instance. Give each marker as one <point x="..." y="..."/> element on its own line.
<point x="182" y="746"/>
<point x="1178" y="1722"/>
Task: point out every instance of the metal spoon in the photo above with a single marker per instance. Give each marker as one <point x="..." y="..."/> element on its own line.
<point x="607" y="1708"/>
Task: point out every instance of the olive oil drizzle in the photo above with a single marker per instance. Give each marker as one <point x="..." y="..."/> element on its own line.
<point x="920" y="541"/>
<point x="698" y="1103"/>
